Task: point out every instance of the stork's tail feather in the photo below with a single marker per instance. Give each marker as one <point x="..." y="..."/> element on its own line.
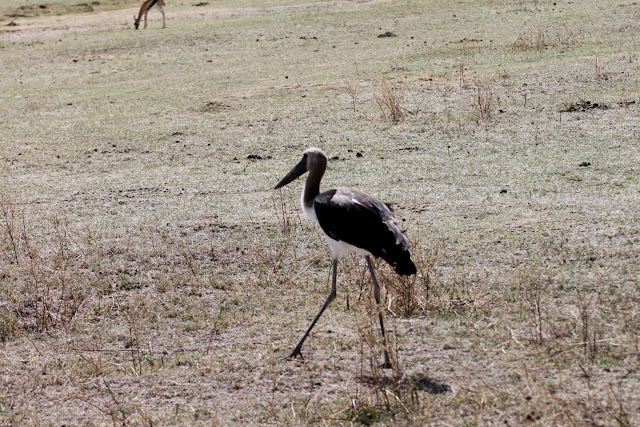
<point x="402" y="264"/>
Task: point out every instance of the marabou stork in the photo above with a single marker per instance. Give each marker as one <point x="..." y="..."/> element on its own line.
<point x="352" y="222"/>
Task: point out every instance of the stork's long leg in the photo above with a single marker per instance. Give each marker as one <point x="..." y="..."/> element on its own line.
<point x="332" y="296"/>
<point x="376" y="294"/>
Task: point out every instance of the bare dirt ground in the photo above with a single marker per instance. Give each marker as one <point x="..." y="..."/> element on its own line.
<point x="150" y="275"/>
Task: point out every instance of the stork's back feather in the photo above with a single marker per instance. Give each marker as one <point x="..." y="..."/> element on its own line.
<point x="365" y="222"/>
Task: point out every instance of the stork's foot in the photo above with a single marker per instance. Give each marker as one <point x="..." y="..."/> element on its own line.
<point x="387" y="362"/>
<point x="295" y="353"/>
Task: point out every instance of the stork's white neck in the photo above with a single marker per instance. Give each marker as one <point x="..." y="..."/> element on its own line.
<point x="309" y="211"/>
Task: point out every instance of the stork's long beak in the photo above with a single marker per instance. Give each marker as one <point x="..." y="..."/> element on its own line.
<point x="297" y="170"/>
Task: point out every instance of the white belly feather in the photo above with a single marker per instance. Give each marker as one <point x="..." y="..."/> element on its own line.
<point x="340" y="249"/>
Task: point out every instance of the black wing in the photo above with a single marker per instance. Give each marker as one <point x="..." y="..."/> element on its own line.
<point x="365" y="222"/>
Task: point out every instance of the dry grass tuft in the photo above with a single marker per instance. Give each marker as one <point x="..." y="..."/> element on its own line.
<point x="352" y="87"/>
<point x="47" y="284"/>
<point x="286" y="212"/>
<point x="483" y="99"/>
<point x="528" y="41"/>
<point x="534" y="286"/>
<point x="541" y="40"/>
<point x="389" y="101"/>
<point x="410" y="295"/>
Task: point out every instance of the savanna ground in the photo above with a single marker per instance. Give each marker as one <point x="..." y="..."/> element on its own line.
<point x="151" y="276"/>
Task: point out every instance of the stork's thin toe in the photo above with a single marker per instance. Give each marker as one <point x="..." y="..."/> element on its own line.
<point x="295" y="353"/>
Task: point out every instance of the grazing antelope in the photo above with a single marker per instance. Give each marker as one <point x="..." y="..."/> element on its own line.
<point x="144" y="9"/>
<point x="352" y="222"/>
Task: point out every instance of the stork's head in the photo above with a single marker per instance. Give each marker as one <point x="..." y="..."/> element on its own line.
<point x="313" y="161"/>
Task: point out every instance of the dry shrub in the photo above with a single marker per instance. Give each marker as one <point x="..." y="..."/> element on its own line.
<point x="541" y="40"/>
<point x="590" y="326"/>
<point x="409" y="295"/>
<point x="389" y="100"/>
<point x="44" y="282"/>
<point x="534" y="286"/>
<point x="528" y="41"/>
<point x="287" y="212"/>
<point x="405" y="296"/>
<point x="483" y="99"/>
<point x="352" y="87"/>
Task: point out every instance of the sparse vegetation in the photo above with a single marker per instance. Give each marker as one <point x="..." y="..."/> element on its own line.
<point x="600" y="71"/>
<point x="389" y="100"/>
<point x="149" y="274"/>
<point x="352" y="87"/>
<point x="483" y="99"/>
<point x="44" y="286"/>
<point x="529" y="41"/>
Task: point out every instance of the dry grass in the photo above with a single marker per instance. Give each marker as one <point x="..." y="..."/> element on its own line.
<point x="544" y="39"/>
<point x="483" y="103"/>
<point x="352" y="88"/>
<point x="600" y="72"/>
<point x="528" y="41"/>
<point x="390" y="99"/>
<point x="149" y="274"/>
<point x="46" y="283"/>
